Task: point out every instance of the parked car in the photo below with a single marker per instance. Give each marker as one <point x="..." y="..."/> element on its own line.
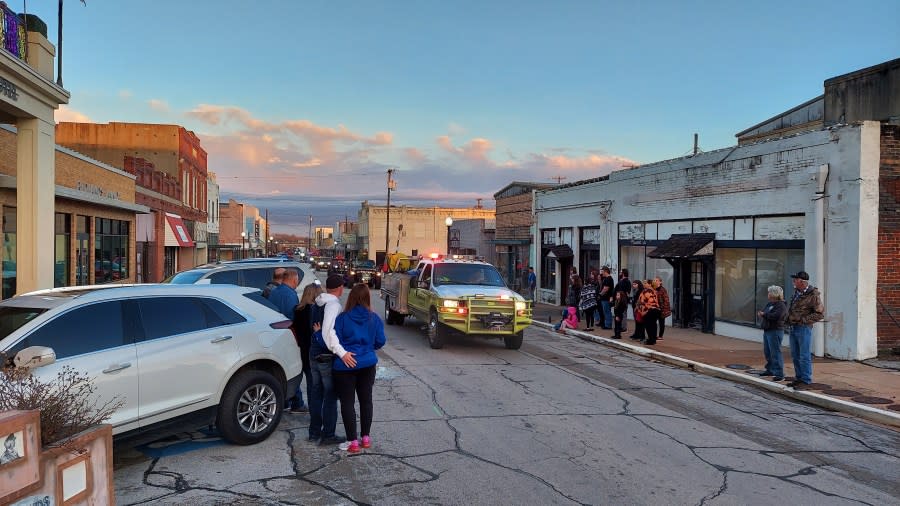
<point x="253" y="273"/>
<point x="177" y="355"/>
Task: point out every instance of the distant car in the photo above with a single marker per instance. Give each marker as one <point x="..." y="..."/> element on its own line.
<point x="254" y="273"/>
<point x="179" y="356"/>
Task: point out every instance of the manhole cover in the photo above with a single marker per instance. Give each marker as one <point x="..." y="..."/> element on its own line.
<point x="867" y="399"/>
<point x="894" y="407"/>
<point x="740" y="367"/>
<point x="841" y="393"/>
<point x="818" y="386"/>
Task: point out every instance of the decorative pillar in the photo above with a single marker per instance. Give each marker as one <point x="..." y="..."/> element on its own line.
<point x="35" y="202"/>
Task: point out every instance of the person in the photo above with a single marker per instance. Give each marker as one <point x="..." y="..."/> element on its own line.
<point x="588" y="303"/>
<point x="303" y="334"/>
<point x="647" y="312"/>
<point x="773" y="317"/>
<point x="624" y="285"/>
<point x="805" y="310"/>
<point x="284" y="295"/>
<point x="569" y="322"/>
<point x="360" y="333"/>
<point x="575" y="285"/>
<point x="639" y="332"/>
<point x="607" y="291"/>
<point x="323" y="396"/>
<point x="9" y="450"/>
<point x="620" y="307"/>
<point x="277" y="278"/>
<point x="665" y="305"/>
<point x="532" y="282"/>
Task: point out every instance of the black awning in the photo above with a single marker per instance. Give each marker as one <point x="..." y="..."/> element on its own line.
<point x="562" y="251"/>
<point x="685" y="246"/>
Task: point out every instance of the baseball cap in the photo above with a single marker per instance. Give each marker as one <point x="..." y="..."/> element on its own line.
<point x="334" y="281"/>
<point x="801" y="275"/>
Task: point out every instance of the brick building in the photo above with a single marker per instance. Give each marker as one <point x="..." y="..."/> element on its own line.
<point x="171" y="176"/>
<point x="513" y="234"/>
<point x="94" y="214"/>
<point x="813" y="188"/>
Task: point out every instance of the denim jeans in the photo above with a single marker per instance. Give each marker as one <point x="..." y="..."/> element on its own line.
<point x="772" y="348"/>
<point x="322" y="400"/>
<point x="607" y="313"/>
<point x="296" y="400"/>
<point x="801" y="352"/>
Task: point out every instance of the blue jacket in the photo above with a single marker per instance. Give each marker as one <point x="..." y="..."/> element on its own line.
<point x="362" y="332"/>
<point x="285" y="299"/>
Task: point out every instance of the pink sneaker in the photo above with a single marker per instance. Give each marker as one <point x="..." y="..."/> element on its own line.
<point x="350" y="446"/>
<point x="366" y="442"/>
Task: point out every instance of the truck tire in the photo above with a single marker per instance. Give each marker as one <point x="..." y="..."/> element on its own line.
<point x="436" y="334"/>
<point x="388" y="313"/>
<point x="250" y="408"/>
<point x="514" y="342"/>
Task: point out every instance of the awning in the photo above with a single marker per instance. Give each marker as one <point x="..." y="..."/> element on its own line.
<point x="179" y="235"/>
<point x="685" y="246"/>
<point x="561" y="252"/>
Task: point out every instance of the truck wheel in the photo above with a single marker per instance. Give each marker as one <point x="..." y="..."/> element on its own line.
<point x="388" y="314"/>
<point x="435" y="333"/>
<point x="514" y="342"/>
<point x="250" y="408"/>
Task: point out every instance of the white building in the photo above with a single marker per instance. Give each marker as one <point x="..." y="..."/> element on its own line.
<point x="212" y="214"/>
<point x="720" y="227"/>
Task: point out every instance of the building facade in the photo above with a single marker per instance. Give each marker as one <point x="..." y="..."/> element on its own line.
<point x="513" y="247"/>
<point x="473" y="237"/>
<point x="212" y="216"/>
<point x="413" y="230"/>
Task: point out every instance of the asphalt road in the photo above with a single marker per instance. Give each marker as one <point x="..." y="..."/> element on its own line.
<point x="560" y="421"/>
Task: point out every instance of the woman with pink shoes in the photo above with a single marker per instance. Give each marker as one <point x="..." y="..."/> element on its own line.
<point x="360" y="332"/>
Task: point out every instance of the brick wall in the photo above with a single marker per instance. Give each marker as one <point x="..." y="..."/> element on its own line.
<point x="889" y="241"/>
<point x="514" y="217"/>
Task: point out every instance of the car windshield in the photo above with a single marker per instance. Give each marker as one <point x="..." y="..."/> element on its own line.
<point x="467" y="274"/>
<point x="366" y="264"/>
<point x="185" y="278"/>
<point x="12" y="318"/>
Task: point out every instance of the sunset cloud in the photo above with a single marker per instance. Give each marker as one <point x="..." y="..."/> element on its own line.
<point x="66" y="113"/>
<point x="158" y="105"/>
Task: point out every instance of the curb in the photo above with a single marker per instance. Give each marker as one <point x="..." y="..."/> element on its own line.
<point x="861" y="410"/>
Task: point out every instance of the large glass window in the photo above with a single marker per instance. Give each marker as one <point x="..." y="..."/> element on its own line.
<point x="110" y="250"/>
<point x="85" y="329"/>
<point x="633" y="258"/>
<point x="61" y="250"/>
<point x="9" y="252"/>
<point x="170" y="316"/>
<point x="743" y="276"/>
<point x="82" y="251"/>
<point x="548" y="265"/>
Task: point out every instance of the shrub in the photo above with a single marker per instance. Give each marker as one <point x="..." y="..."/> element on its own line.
<point x="66" y="403"/>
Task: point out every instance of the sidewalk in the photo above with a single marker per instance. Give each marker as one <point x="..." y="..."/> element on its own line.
<point x="852" y="387"/>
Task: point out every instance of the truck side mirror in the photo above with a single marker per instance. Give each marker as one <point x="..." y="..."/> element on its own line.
<point x="35" y="356"/>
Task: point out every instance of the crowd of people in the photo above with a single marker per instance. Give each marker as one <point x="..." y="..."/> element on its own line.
<point x="337" y="348"/>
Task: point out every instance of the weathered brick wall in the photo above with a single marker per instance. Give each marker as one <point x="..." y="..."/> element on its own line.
<point x="514" y="217"/>
<point x="889" y="241"/>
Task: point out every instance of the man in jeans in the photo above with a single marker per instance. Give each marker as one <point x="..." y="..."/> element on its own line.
<point x="607" y="292"/>
<point x="322" y="396"/>
<point x="806" y="309"/>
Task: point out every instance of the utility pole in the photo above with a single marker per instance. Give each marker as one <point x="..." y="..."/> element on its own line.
<point x="387" y="228"/>
<point x="696" y="144"/>
<point x="309" y="237"/>
<point x="558" y="178"/>
<point x="266" y="238"/>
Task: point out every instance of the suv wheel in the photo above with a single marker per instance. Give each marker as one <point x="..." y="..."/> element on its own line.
<point x="250" y="408"/>
<point x="435" y="333"/>
<point x="388" y="314"/>
<point x="514" y="342"/>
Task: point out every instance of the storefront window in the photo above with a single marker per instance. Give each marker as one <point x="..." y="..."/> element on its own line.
<point x="9" y="252"/>
<point x="633" y="259"/>
<point x="548" y="265"/>
<point x="82" y="251"/>
<point x="61" y="250"/>
<point x="110" y="250"/>
<point x="743" y="276"/>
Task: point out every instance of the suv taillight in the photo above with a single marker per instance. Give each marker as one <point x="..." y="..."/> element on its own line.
<point x="284" y="324"/>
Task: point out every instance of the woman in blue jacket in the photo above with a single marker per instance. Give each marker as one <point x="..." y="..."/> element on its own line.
<point x="360" y="332"/>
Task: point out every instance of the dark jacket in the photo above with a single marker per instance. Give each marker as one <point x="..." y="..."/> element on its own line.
<point x="807" y="308"/>
<point x="620" y="306"/>
<point x="361" y="332"/>
<point x="774" y="315"/>
<point x="303" y="331"/>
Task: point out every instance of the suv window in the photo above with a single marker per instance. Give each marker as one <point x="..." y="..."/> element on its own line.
<point x="258" y="277"/>
<point x="170" y="316"/>
<point x="85" y="329"/>
<point x="220" y="314"/>
<point x="426" y="274"/>
<point x="224" y="278"/>
<point x="259" y="299"/>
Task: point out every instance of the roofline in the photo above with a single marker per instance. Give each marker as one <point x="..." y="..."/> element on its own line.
<point x="797" y="108"/>
<point x="861" y="72"/>
<point x="528" y="184"/>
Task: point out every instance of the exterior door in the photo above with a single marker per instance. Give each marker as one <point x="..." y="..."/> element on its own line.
<point x="420" y="297"/>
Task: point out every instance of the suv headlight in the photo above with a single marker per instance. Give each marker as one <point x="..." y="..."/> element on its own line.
<point x="451" y="303"/>
<point x="521" y="305"/>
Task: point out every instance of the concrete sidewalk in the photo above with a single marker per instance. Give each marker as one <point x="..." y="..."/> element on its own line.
<point x="852" y="387"/>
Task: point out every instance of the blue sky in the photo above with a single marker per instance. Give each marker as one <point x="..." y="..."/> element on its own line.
<point x="303" y="105"/>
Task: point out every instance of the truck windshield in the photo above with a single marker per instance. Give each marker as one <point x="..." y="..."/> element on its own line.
<point x="366" y="264"/>
<point x="467" y="274"/>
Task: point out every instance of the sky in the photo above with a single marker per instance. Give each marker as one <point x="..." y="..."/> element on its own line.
<point x="303" y="105"/>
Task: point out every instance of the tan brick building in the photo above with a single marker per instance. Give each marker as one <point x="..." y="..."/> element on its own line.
<point x="95" y="215"/>
<point x="513" y="236"/>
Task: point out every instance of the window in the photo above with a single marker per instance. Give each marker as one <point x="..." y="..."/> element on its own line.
<point x="743" y="276"/>
<point x="171" y="316"/>
<point x="426" y="275"/>
<point x="633" y="258"/>
<point x="85" y="329"/>
<point x="224" y="278"/>
<point x="9" y="252"/>
<point x="221" y="313"/>
<point x="82" y="251"/>
<point x="548" y="265"/>
<point x="111" y="257"/>
<point x="259" y="299"/>
<point x="61" y="250"/>
<point x="257" y="278"/>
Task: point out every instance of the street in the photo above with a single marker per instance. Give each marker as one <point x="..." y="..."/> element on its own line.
<point x="560" y="421"/>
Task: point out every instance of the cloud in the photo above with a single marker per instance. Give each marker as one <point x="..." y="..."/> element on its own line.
<point x="125" y="94"/>
<point x="158" y="105"/>
<point x="455" y="129"/>
<point x="66" y="113"/>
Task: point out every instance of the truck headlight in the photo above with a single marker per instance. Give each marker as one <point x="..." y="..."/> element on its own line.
<point x="451" y="303"/>
<point x="521" y="305"/>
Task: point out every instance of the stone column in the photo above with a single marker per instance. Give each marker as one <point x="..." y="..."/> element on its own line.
<point x="35" y="202"/>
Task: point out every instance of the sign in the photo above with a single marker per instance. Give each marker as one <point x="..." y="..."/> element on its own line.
<point x="96" y="190"/>
<point x="8" y="89"/>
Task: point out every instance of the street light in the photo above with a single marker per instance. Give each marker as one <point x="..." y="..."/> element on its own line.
<point x="269" y="249"/>
<point x="243" y="236"/>
<point x="449" y="223"/>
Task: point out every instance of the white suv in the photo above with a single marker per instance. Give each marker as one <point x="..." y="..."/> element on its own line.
<point x="175" y="354"/>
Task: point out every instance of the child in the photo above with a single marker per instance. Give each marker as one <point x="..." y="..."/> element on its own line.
<point x="569" y="322"/>
<point x="620" y="307"/>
